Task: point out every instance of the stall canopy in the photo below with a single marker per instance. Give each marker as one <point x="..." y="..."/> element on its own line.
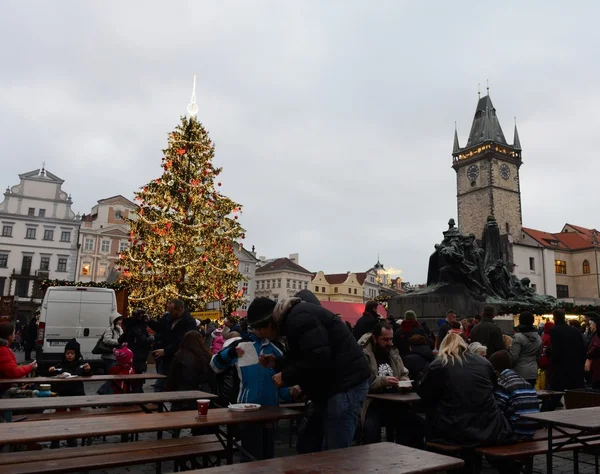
<point x="348" y="311"/>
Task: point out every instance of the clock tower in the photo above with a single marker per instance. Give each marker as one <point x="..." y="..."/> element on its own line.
<point x="487" y="175"/>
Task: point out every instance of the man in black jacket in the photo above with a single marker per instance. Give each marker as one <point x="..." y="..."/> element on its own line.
<point x="567" y="358"/>
<point x="367" y="321"/>
<point x="324" y="359"/>
<point x="445" y="327"/>
<point x="171" y="327"/>
<point x="487" y="333"/>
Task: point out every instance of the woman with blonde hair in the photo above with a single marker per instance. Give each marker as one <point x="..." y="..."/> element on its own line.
<point x="458" y="391"/>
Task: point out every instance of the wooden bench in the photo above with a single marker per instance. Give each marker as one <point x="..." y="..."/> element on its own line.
<point x="581" y="399"/>
<point x="110" y="455"/>
<point x="84" y="413"/>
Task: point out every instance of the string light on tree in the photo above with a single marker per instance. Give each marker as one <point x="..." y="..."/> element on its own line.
<point x="183" y="234"/>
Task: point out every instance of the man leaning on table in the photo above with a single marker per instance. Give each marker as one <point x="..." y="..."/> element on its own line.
<point x="387" y="369"/>
<point x="324" y="359"/>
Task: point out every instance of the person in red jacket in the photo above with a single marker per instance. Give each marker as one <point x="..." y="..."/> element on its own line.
<point x="8" y="362"/>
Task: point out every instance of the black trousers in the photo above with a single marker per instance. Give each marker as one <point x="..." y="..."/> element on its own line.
<point x="409" y="428"/>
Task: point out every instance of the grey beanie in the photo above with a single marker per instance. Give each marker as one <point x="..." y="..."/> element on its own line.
<point x="410" y="315"/>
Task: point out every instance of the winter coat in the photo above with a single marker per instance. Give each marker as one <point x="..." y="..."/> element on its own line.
<point x="323" y="357"/>
<point x="111" y="336"/>
<point x="121" y="386"/>
<point x="544" y="361"/>
<point x="71" y="389"/>
<point x="525" y="351"/>
<point x="256" y="381"/>
<point x="443" y="332"/>
<point x="365" y="324"/>
<point x="461" y="408"/>
<point x="567" y="358"/>
<point x="377" y="382"/>
<point x="228" y="381"/>
<point x="172" y="335"/>
<point x="135" y="334"/>
<point x="30" y="333"/>
<point x="489" y="335"/>
<point x="589" y="337"/>
<point x="593" y="353"/>
<point x="217" y="342"/>
<point x="189" y="372"/>
<point x="419" y="357"/>
<point x="407" y="329"/>
<point x="8" y="363"/>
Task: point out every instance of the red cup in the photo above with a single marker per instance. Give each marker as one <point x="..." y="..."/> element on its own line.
<point x="202" y="407"/>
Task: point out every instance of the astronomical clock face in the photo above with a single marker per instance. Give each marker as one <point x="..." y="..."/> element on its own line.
<point x="504" y="171"/>
<point x="472" y="172"/>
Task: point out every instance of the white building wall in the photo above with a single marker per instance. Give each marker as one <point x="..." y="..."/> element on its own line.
<point x="537" y="264"/>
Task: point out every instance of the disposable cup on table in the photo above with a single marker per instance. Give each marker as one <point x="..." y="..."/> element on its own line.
<point x="202" y="408"/>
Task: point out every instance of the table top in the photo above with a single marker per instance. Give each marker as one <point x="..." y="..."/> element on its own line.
<point x="408" y="397"/>
<point x="580" y="418"/>
<point x="49" y="430"/>
<point x="380" y="457"/>
<point x="46" y="403"/>
<point x="548" y="393"/>
<point x="83" y="378"/>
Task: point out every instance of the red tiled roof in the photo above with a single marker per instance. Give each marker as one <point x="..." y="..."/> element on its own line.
<point x="336" y="278"/>
<point x="361" y="277"/>
<point x="591" y="235"/>
<point x="563" y="240"/>
<point x="282" y="264"/>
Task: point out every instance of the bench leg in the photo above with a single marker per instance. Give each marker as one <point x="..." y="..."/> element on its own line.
<point x="576" y="462"/>
<point x="529" y="466"/>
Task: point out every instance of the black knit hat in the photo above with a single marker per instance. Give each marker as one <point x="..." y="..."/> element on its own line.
<point x="73" y="345"/>
<point x="260" y="311"/>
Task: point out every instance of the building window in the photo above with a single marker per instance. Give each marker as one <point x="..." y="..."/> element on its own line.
<point x="349" y="291"/>
<point x="105" y="246"/>
<point x="560" y="267"/>
<point x="586" y="267"/>
<point x="42" y="212"/>
<point x="7" y="231"/>
<point x="279" y="283"/>
<point x="65" y="236"/>
<point x="316" y="289"/>
<point x="45" y="264"/>
<point x="323" y="289"/>
<point x="507" y="228"/>
<point x="562" y="291"/>
<point x="306" y="285"/>
<point x="287" y="282"/>
<point x="30" y="233"/>
<point x="355" y="291"/>
<point x="258" y="285"/>
<point x="532" y="264"/>
<point x="2" y="283"/>
<point x="294" y="284"/>
<point x="123" y="246"/>
<point x="335" y="290"/>
<point x="268" y="284"/>
<point x="246" y="268"/>
<point x="102" y="270"/>
<point x="85" y="269"/>
<point x="31" y="212"/>
<point x="262" y="285"/>
<point x="48" y="234"/>
<point x="88" y="243"/>
<point x="3" y="260"/>
<point x="62" y="265"/>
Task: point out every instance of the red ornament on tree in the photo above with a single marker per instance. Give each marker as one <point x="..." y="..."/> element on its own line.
<point x="180" y="151"/>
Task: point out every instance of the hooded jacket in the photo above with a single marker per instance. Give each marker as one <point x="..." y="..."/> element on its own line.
<point x="525" y="351"/>
<point x="459" y="416"/>
<point x="376" y="381"/>
<point x="489" y="335"/>
<point x="8" y="363"/>
<point x="323" y="356"/>
<point x="408" y="328"/>
<point x="75" y="388"/>
<point x="112" y="335"/>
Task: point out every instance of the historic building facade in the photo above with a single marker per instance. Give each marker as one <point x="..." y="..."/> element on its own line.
<point x="281" y="278"/>
<point x="38" y="238"/>
<point x="104" y="234"/>
<point x="247" y="267"/>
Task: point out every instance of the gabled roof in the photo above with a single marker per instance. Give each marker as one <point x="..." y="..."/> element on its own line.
<point x="486" y="126"/>
<point x="361" y="277"/>
<point x="117" y="198"/>
<point x="282" y="264"/>
<point x="591" y="235"/>
<point x="248" y="254"/>
<point x="581" y="239"/>
<point x="41" y="174"/>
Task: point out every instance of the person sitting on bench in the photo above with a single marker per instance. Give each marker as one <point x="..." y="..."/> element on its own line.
<point x="515" y="396"/>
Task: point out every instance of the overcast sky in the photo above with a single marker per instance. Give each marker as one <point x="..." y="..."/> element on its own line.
<point x="333" y="120"/>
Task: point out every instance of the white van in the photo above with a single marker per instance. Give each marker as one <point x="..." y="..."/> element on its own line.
<point x="73" y="312"/>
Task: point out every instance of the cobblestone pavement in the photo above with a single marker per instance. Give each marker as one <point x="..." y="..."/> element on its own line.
<point x="562" y="464"/>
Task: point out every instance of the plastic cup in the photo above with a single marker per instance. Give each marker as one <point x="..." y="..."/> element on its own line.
<point x="203" y="407"/>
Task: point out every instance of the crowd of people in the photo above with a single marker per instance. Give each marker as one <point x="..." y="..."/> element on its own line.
<point x="474" y="382"/>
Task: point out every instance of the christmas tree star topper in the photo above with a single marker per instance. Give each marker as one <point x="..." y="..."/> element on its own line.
<point x="192" y="107"/>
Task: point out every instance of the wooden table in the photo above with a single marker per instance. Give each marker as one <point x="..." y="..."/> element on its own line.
<point x="47" y="430"/>
<point x="82" y="378"/>
<point x="380" y="457"/>
<point x="46" y="403"/>
<point x="586" y="422"/>
<point x="547" y="394"/>
<point x="409" y="397"/>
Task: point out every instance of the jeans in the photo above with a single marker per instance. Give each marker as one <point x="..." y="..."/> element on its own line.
<point x="106" y="388"/>
<point x="259" y="440"/>
<point x="409" y="428"/>
<point x="162" y="368"/>
<point x="342" y="416"/>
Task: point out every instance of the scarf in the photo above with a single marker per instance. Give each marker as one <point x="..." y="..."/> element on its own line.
<point x="283" y="306"/>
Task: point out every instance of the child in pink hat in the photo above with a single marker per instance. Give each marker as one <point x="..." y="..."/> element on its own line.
<point x="124" y="366"/>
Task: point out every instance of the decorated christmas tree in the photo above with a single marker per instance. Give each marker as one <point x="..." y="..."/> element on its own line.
<point x="183" y="234"/>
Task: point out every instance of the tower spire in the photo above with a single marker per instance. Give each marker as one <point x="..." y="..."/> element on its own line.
<point x="456" y="147"/>
<point x="516" y="140"/>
